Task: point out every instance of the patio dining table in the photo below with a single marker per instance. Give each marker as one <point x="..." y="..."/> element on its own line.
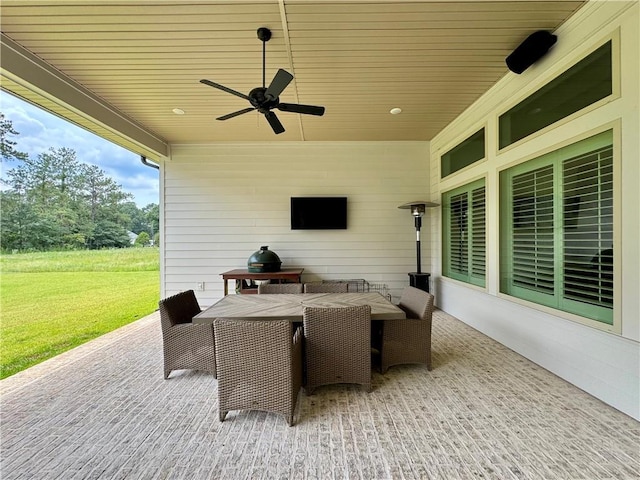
<point x="291" y="306"/>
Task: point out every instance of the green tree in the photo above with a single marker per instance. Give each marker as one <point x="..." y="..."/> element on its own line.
<point x="7" y="145"/>
<point x="19" y="225"/>
<point x="143" y="239"/>
<point x="59" y="195"/>
<point x="109" y="234"/>
<point x="103" y="199"/>
<point x="56" y="202"/>
<point x="137" y="221"/>
<point x="47" y="188"/>
<point x="152" y="216"/>
<point x="40" y="176"/>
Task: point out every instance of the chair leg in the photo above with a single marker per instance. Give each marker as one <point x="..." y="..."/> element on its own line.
<point x="222" y="414"/>
<point x="166" y="374"/>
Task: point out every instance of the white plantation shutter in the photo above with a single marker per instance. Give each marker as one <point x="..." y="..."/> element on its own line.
<point x="478" y="233"/>
<point x="464" y="233"/>
<point x="556" y="229"/>
<point x="532" y="219"/>
<point x="459" y="243"/>
<point x="588" y="232"/>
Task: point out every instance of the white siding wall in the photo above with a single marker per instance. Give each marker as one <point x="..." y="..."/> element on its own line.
<point x="223" y="201"/>
<point x="605" y="364"/>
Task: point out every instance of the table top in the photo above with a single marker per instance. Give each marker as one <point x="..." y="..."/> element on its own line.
<point x="290" y="306"/>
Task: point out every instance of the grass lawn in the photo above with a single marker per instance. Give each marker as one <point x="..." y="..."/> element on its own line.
<point x="51" y="302"/>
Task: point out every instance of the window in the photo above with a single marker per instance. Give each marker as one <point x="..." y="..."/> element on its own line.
<point x="467" y="152"/>
<point x="556" y="216"/>
<point x="585" y="83"/>
<point x="464" y="242"/>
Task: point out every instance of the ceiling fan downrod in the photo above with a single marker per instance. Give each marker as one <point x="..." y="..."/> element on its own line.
<point x="264" y="35"/>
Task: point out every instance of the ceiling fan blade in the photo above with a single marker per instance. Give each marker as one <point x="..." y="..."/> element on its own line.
<point x="235" y="114"/>
<point x="297" y="108"/>
<point x="278" y="84"/>
<point x="224" y="89"/>
<point x="274" y="122"/>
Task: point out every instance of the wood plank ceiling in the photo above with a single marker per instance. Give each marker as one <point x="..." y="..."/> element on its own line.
<point x="357" y="58"/>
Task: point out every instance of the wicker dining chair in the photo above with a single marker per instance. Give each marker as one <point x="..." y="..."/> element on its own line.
<point x="280" y="288"/>
<point x="409" y="341"/>
<point x="319" y="287"/>
<point x="337" y="346"/>
<point x="185" y="345"/>
<point x="259" y="366"/>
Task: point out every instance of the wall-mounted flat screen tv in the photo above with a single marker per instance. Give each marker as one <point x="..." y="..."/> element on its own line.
<point x="318" y="213"/>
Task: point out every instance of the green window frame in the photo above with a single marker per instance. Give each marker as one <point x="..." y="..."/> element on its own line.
<point x="556" y="229"/>
<point x="470" y="150"/>
<point x="464" y="233"/>
<point x="586" y="82"/>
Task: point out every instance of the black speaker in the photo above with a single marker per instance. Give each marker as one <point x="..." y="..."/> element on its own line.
<point x="530" y="51"/>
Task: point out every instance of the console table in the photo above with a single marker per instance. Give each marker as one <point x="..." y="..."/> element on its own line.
<point x="288" y="274"/>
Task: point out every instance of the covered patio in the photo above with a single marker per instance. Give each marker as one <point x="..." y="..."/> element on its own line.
<point x="522" y="386"/>
<point x="103" y="410"/>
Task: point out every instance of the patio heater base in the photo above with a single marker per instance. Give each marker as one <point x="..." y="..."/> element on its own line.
<point x="419" y="280"/>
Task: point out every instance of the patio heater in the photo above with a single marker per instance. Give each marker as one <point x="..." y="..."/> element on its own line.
<point x="418" y="279"/>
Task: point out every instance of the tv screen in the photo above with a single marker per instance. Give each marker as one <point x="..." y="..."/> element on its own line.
<point x="318" y="213"/>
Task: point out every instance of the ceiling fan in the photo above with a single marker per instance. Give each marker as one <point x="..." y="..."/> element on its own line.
<point x="265" y="99"/>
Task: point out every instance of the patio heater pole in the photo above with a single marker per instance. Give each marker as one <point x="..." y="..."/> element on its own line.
<point x="418" y="279"/>
<point x="418" y="222"/>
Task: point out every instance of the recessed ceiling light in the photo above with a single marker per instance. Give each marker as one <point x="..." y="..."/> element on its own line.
<point x="395" y="111"/>
<point x="178" y="111"/>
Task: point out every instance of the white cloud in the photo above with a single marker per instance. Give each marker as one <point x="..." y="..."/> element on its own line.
<point x="39" y="131"/>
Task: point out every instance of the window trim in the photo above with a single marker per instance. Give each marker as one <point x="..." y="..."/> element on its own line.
<point x="616" y="327"/>
<point x="469" y="132"/>
<point x="467" y="187"/>
<point x="482" y="129"/>
<point x="614" y="37"/>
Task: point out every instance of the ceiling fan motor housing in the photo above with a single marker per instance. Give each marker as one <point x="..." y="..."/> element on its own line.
<point x="262" y="102"/>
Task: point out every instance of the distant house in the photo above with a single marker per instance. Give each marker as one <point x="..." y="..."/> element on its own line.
<point x="132" y="237"/>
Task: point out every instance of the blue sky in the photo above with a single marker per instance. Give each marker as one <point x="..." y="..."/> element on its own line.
<point x="39" y="130"/>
